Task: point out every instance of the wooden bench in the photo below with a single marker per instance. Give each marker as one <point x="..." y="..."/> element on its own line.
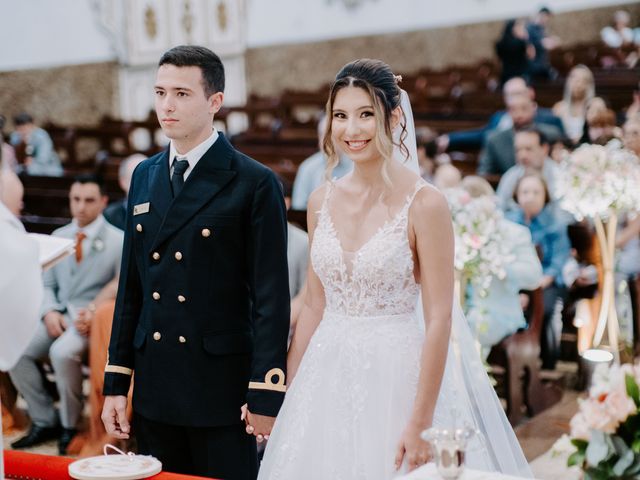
<point x="518" y="356"/>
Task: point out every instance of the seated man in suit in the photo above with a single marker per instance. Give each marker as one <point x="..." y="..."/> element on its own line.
<point x="116" y="212"/>
<point x="499" y="152"/>
<point x="474" y="139"/>
<point x="532" y="153"/>
<point x="70" y="287"/>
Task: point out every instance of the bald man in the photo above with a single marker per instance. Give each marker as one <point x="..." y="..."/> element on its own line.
<point x="116" y="212"/>
<point x="20" y="279"/>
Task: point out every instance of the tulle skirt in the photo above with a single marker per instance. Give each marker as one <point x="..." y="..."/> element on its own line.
<point x="351" y="399"/>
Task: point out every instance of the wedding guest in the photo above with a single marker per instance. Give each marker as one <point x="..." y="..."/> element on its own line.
<point x="499" y="152"/>
<point x="116" y="212"/>
<point x="549" y="234"/>
<point x="540" y="65"/>
<point x="514" y="51"/>
<point x="40" y="155"/>
<point x="447" y="176"/>
<point x="310" y="174"/>
<point x="620" y="33"/>
<point x="601" y="126"/>
<point x="532" y="154"/>
<point x="579" y="89"/>
<point x="7" y="154"/>
<point x="497" y="313"/>
<point x="297" y="259"/>
<point x="499" y="121"/>
<point x="631" y="134"/>
<point x="70" y="287"/>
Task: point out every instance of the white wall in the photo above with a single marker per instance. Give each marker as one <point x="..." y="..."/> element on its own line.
<point x="48" y="33"/>
<point x="273" y="22"/>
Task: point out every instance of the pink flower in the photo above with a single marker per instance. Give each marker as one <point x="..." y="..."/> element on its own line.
<point x="598" y="416"/>
<point x="619" y="405"/>
<point x="475" y="241"/>
<point x="579" y="427"/>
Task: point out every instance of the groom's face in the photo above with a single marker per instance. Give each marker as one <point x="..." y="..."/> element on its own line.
<point x="184" y="111"/>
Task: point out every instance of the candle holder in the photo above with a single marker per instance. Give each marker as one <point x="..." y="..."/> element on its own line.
<point x="449" y="447"/>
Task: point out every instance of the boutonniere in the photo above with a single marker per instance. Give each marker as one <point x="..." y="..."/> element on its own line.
<point x="97" y="245"/>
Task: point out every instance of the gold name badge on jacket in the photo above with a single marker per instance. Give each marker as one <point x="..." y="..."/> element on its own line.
<point x="268" y="383"/>
<point x="141" y="208"/>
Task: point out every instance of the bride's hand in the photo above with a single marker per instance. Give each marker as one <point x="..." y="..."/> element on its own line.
<point x="412" y="448"/>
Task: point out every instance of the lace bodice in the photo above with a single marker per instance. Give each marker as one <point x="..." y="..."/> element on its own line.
<point x="377" y="279"/>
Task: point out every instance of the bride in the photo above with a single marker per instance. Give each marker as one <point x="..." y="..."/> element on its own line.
<point x="376" y="357"/>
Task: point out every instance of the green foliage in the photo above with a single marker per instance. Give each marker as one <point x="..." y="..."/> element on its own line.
<point x="632" y="389"/>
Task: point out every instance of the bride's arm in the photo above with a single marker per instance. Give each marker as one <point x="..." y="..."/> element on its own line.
<point x="314" y="301"/>
<point x="434" y="246"/>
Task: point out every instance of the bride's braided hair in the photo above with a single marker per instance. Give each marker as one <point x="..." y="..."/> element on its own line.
<point x="376" y="78"/>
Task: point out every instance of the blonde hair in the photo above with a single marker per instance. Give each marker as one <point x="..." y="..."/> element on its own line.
<point x="477" y="186"/>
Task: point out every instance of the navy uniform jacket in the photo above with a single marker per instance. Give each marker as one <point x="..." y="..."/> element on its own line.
<point x="202" y="313"/>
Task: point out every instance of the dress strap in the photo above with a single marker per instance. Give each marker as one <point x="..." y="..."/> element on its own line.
<point x="325" y="201"/>
<point x="420" y="184"/>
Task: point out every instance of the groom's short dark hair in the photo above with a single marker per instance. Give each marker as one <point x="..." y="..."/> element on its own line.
<point x="196" y="56"/>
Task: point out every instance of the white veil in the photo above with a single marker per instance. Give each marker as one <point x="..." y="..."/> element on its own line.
<point x="495" y="446"/>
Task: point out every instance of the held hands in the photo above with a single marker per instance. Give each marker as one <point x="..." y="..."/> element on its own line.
<point x="114" y="416"/>
<point x="258" y="425"/>
<point x="83" y="321"/>
<point x="412" y="448"/>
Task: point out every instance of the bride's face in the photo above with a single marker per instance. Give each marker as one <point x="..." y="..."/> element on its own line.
<point x="353" y="124"/>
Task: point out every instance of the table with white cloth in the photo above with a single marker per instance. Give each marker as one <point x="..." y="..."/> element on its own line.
<point x="429" y="472"/>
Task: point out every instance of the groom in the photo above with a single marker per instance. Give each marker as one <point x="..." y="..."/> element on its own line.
<point x="202" y="312"/>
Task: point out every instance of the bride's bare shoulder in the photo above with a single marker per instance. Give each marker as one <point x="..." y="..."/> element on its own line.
<point x="429" y="201"/>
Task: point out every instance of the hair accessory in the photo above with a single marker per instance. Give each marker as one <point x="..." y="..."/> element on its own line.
<point x="398" y="78"/>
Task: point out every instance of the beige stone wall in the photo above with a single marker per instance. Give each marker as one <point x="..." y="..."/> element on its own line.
<point x="82" y="94"/>
<point x="311" y="65"/>
<point x="70" y="95"/>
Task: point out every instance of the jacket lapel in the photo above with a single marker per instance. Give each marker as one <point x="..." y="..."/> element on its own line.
<point x="160" y="186"/>
<point x="211" y="174"/>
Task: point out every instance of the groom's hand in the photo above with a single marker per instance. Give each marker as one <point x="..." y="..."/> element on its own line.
<point x="258" y="425"/>
<point x="114" y="416"/>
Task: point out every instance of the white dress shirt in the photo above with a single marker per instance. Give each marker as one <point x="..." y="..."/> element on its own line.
<point x="194" y="155"/>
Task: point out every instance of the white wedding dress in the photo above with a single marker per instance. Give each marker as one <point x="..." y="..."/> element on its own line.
<point x="354" y="390"/>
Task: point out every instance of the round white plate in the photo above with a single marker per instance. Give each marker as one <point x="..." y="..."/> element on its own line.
<point x="116" y="467"/>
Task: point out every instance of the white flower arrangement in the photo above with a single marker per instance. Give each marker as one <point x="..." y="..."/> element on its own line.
<point x="597" y="180"/>
<point x="480" y="252"/>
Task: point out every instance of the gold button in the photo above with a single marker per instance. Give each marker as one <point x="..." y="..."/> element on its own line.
<point x="139" y="227"/>
<point x="206" y="232"/>
<point x="181" y="299"/>
<point x="181" y="339"/>
<point x="156" y="296"/>
<point x="157" y="336"/>
<point x="156" y="256"/>
<point x="178" y="256"/>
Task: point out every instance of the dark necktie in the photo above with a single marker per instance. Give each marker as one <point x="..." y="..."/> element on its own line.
<point x="177" y="179"/>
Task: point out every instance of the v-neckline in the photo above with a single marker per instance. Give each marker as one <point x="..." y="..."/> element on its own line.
<point x="390" y="221"/>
